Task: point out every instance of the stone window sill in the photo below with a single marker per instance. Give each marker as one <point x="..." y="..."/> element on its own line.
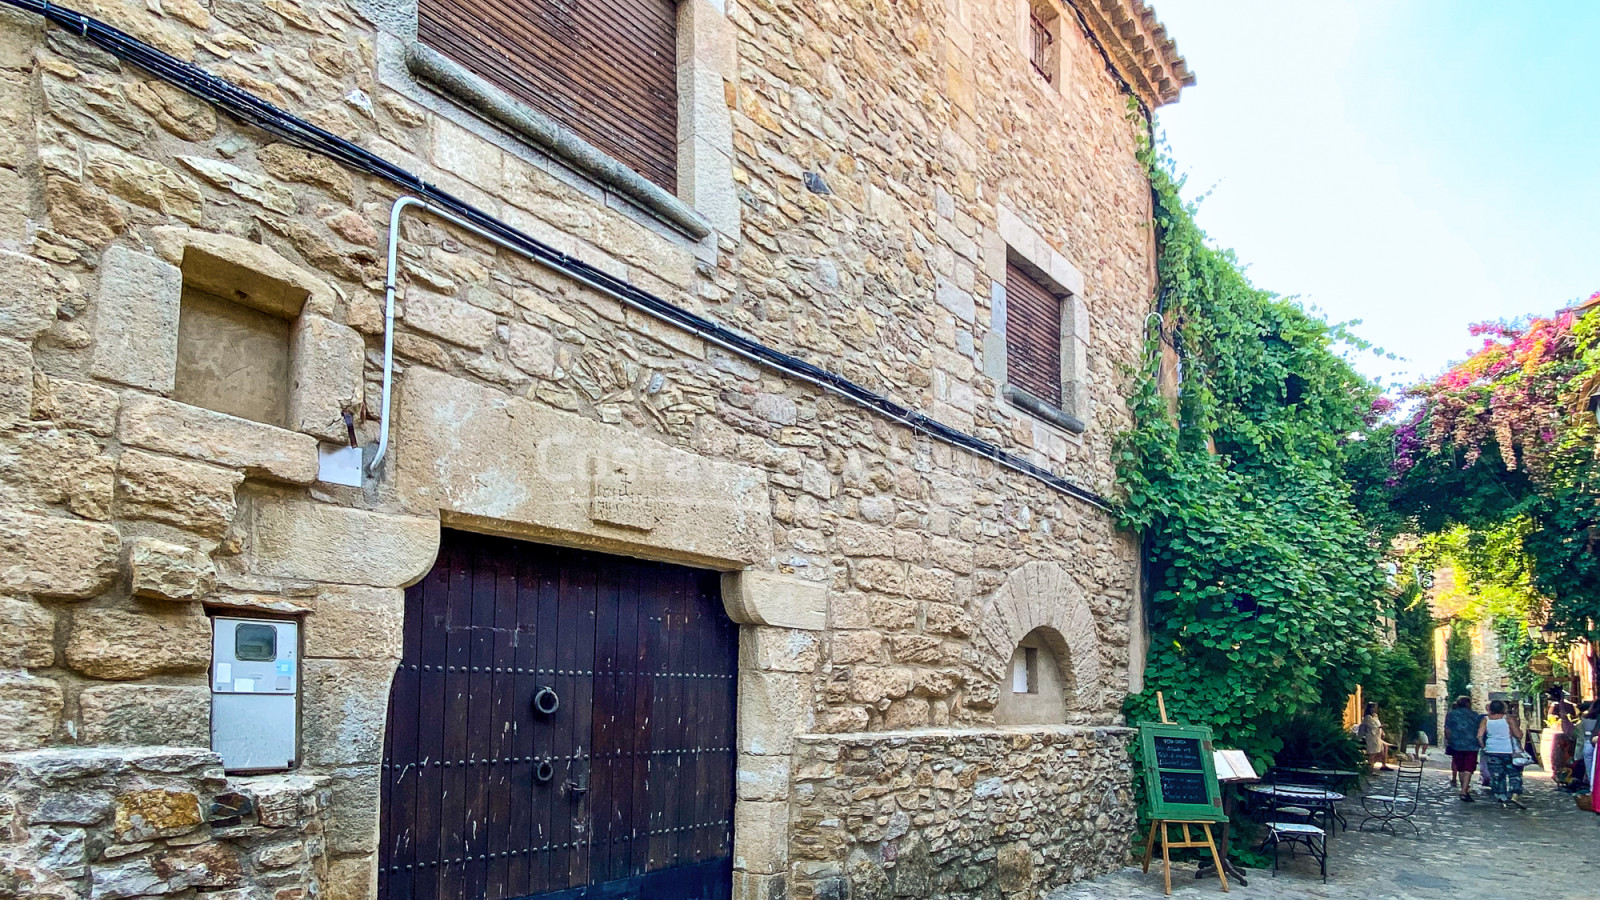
<point x="1040" y="409"/>
<point x="453" y="80"/>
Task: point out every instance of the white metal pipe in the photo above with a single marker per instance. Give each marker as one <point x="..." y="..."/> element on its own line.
<point x="388" y="328"/>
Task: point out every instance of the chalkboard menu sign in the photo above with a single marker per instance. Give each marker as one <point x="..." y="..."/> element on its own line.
<point x="1178" y="752"/>
<point x="1180" y="775"/>
<point x="1183" y="787"/>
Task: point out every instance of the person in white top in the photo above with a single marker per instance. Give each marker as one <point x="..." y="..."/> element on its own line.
<point x="1500" y="737"/>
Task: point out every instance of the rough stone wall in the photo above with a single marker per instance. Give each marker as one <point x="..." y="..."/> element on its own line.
<point x="124" y="514"/>
<point x="153" y="822"/>
<point x="950" y="814"/>
<point x="926" y="120"/>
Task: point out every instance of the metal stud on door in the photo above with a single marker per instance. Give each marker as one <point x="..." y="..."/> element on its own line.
<point x="561" y="726"/>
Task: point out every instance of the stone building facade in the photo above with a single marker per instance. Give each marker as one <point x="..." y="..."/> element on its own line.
<point x="193" y="319"/>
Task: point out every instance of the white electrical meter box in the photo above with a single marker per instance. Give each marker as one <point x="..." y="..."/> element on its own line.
<point x="255" y="680"/>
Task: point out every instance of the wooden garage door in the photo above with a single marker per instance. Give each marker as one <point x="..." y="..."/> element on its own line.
<point x="625" y="790"/>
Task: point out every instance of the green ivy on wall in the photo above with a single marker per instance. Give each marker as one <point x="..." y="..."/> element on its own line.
<point x="1264" y="578"/>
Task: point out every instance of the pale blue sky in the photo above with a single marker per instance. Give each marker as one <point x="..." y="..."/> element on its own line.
<point x="1416" y="164"/>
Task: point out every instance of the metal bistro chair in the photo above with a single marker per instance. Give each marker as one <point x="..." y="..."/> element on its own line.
<point x="1317" y="796"/>
<point x="1281" y="808"/>
<point x="1399" y="805"/>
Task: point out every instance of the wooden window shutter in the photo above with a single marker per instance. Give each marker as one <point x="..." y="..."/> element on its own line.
<point x="1033" y="336"/>
<point x="607" y="69"/>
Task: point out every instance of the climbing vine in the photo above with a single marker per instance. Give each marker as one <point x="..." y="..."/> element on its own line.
<point x="1264" y="579"/>
<point x="1499" y="457"/>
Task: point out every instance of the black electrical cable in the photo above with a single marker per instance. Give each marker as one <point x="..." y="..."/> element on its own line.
<point x="254" y="111"/>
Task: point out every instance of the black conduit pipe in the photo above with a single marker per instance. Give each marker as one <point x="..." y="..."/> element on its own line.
<point x="252" y="110"/>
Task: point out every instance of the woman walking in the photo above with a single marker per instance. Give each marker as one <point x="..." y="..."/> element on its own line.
<point x="1584" y="755"/>
<point x="1461" y="742"/>
<point x="1500" y="737"/>
<point x="1372" y="734"/>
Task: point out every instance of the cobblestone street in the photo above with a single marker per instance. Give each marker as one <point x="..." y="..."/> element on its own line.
<point x="1467" y="851"/>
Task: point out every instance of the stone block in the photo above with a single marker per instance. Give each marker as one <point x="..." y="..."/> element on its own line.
<point x="766" y="598"/>
<point x="56" y="557"/>
<point x="156" y="812"/>
<point x="136" y="321"/>
<point x="30" y="709"/>
<point x="760" y="836"/>
<point x="42" y="467"/>
<point x="351" y="878"/>
<point x="763" y="777"/>
<point x="779" y="649"/>
<point x="27" y="634"/>
<point x="352" y="826"/>
<point x="192" y="496"/>
<point x="343" y="707"/>
<point x="144" y="182"/>
<point x="16" y="383"/>
<point x="543" y="472"/>
<point x="754" y="886"/>
<point x="447" y="318"/>
<point x="856" y="646"/>
<point x="261" y="450"/>
<point x="957" y="301"/>
<point x="72" y="807"/>
<point x="464" y="154"/>
<point x="245" y="272"/>
<point x="209" y="865"/>
<point x="773" y="708"/>
<point x="75" y="405"/>
<point x="123" y="644"/>
<point x="349" y="622"/>
<point x="293" y="538"/>
<point x="304" y="167"/>
<point x="533" y="350"/>
<point x="130" y="878"/>
<point x="128" y="714"/>
<point x="31" y="290"/>
<point x="247" y="185"/>
<point x="166" y="571"/>
<point x="281" y="799"/>
<point x="1065" y="274"/>
<point x="328" y="363"/>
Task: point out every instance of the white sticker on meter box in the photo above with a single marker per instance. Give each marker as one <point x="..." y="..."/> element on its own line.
<point x="244" y="685"/>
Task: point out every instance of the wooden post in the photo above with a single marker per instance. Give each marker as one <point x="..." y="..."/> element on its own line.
<point x="1161" y="703"/>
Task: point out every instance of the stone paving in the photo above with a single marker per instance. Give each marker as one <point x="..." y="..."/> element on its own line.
<point x="1467" y="851"/>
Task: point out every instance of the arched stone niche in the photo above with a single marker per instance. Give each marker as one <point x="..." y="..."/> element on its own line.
<point x="1042" y="606"/>
<point x="1038" y="681"/>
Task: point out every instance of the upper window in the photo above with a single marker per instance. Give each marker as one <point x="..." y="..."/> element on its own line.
<point x="1043" y="54"/>
<point x="1043" y="46"/>
<point x="1033" y="336"/>
<point x="603" y="68"/>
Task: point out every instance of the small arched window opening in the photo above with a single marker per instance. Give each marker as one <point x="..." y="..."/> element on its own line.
<point x="1038" y="681"/>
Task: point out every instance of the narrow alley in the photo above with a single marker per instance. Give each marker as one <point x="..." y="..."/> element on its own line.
<point x="1466" y="851"/>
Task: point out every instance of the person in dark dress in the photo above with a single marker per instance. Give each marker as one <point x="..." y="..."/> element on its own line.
<point x="1461" y="742"/>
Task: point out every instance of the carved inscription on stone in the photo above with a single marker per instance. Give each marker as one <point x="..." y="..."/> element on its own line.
<point x="617" y="495"/>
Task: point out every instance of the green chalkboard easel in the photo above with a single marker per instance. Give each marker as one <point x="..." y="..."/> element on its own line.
<point x="1180" y="784"/>
<point x="1180" y="776"/>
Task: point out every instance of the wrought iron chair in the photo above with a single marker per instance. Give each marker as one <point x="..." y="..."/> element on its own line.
<point x="1399" y="805"/>
<point x="1281" y="829"/>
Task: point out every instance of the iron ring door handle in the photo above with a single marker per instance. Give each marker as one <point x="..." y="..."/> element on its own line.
<point x="544" y="771"/>
<point x="545" y="701"/>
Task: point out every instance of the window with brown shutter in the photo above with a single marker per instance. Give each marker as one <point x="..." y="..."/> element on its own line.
<point x="1039" y="33"/>
<point x="1033" y="336"/>
<point x="607" y="69"/>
